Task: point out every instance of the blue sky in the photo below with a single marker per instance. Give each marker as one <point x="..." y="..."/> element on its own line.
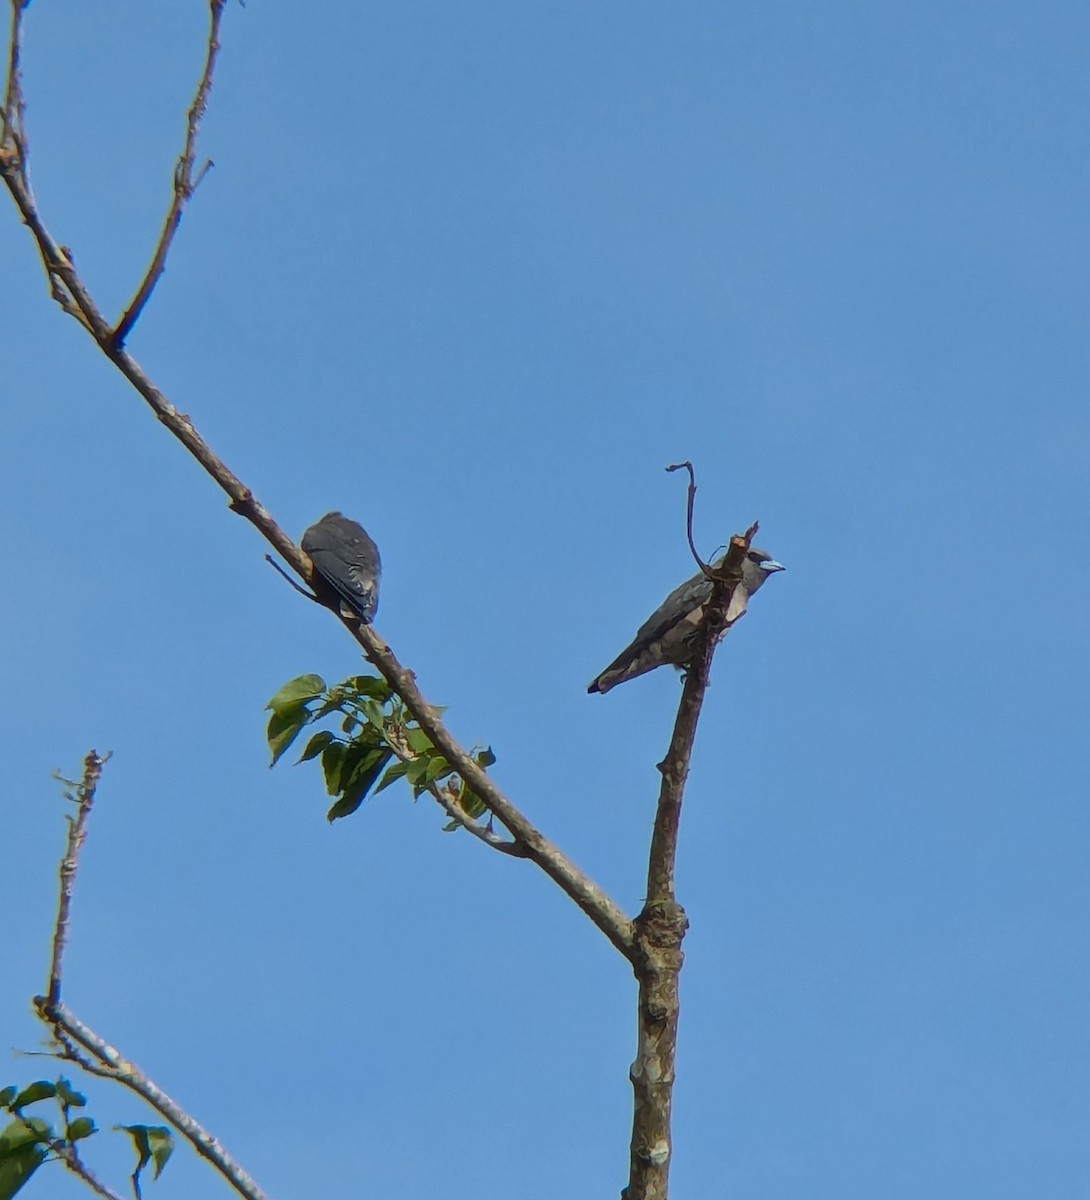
<point x="474" y="275"/>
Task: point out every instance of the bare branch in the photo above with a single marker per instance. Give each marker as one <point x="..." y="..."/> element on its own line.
<point x="594" y="902"/>
<point x="105" y="1061"/>
<point x="184" y="182"/>
<point x="12" y="133"/>
<point x="84" y="799"/>
<point x="110" y="1064"/>
<point x="661" y="925"/>
<point x="675" y="766"/>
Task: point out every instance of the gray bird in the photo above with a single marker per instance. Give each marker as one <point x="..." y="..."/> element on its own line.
<point x="347" y="567"/>
<point x="667" y="635"/>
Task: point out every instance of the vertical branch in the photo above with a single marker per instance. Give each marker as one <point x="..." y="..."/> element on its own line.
<point x="84" y="799"/>
<point x="661" y="925"/>
<point x="12" y="138"/>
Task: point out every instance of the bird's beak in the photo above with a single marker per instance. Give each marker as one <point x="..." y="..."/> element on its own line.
<point x="769" y="566"/>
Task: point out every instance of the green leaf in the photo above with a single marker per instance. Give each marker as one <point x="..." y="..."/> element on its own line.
<point x="153" y="1143"/>
<point x="471" y="804"/>
<point x="21" y="1153"/>
<point x="373" y="712"/>
<point x="42" y="1090"/>
<point x="369" y="685"/>
<point x="68" y="1097"/>
<point x="391" y="776"/>
<point x="485" y="757"/>
<point x="436" y="769"/>
<point x="418" y="740"/>
<point x="332" y="760"/>
<point x="284" y="728"/>
<point x="25" y="1131"/>
<point x="81" y="1127"/>
<point x="414" y="771"/>
<point x="161" y="1141"/>
<point x="297" y="691"/>
<point x="316" y="745"/>
<point x="7" y="1095"/>
<point x="359" y="777"/>
<point x="350" y="724"/>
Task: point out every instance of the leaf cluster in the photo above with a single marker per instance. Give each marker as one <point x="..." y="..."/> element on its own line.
<point x="375" y="742"/>
<point x="27" y="1142"/>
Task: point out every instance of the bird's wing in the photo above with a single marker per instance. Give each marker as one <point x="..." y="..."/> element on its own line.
<point x="678" y="605"/>
<point x="347" y="560"/>
<point x="661" y="638"/>
<point x="354" y="583"/>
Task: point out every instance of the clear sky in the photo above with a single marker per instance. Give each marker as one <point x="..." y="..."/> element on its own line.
<point x="474" y="274"/>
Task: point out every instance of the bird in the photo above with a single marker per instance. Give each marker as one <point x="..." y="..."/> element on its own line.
<point x="347" y="567"/>
<point x="667" y="635"/>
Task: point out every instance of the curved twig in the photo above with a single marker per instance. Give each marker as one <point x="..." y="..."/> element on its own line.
<point x="688" y="466"/>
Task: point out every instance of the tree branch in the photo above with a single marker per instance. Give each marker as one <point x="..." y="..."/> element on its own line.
<point x="72" y="294"/>
<point x="661" y="925"/>
<point x="12" y="137"/>
<point x="84" y="799"/>
<point x="110" y="1064"/>
<point x="105" y="1060"/>
<point x="67" y="1153"/>
<point x="450" y="806"/>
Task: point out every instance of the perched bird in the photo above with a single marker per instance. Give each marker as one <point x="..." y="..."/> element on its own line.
<point x="667" y="635"/>
<point x="347" y="567"/>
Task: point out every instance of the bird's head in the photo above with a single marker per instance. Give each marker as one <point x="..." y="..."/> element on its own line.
<point x="758" y="566"/>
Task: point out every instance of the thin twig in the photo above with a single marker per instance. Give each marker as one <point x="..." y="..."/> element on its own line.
<point x="111" y="1065"/>
<point x="67" y="1153"/>
<point x="450" y="806"/>
<point x="688" y="466"/>
<point x="84" y="799"/>
<point x="301" y="590"/>
<point x="184" y="182"/>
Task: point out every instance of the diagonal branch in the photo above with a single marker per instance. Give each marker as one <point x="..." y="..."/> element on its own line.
<point x="184" y="183"/>
<point x="67" y="1153"/>
<point x="72" y="294"/>
<point x="107" y="1062"/>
